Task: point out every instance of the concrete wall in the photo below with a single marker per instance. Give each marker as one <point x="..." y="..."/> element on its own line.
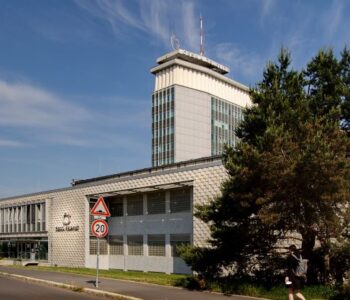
<point x="72" y="248"/>
<point x="202" y="79"/>
<point x="192" y="124"/>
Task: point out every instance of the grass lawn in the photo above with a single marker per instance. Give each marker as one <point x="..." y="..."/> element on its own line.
<point x="148" y="277"/>
<point x="275" y="293"/>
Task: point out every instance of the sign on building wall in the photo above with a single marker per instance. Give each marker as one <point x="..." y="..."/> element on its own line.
<point x="66" y="224"/>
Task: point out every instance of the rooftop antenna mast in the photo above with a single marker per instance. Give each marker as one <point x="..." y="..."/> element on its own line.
<point x="201" y="48"/>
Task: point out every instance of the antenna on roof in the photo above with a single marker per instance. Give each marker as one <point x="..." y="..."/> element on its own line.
<point x="175" y="44"/>
<point x="201" y="48"/>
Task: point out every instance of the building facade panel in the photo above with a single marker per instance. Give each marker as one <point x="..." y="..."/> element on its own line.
<point x="67" y="234"/>
<point x="192" y="130"/>
<point x="200" y="80"/>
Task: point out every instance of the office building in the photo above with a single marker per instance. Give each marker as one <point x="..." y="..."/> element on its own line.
<point x="151" y="213"/>
<point x="195" y="107"/>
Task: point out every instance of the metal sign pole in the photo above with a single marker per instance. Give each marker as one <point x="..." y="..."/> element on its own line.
<point x="97" y="262"/>
<point x="99" y="227"/>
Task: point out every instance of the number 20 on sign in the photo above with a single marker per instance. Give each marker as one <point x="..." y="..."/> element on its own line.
<point x="99" y="228"/>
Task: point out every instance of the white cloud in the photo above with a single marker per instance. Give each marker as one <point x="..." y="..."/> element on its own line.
<point x="249" y="64"/>
<point x="113" y="12"/>
<point x="38" y="117"/>
<point x="10" y="143"/>
<point x="23" y="105"/>
<point x="29" y="110"/>
<point x="190" y="26"/>
<point x="267" y="6"/>
<point x="333" y="18"/>
<point x="157" y="18"/>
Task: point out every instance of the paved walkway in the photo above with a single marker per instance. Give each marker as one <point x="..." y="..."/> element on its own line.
<point x="128" y="288"/>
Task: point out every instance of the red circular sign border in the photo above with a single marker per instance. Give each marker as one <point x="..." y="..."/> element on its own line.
<point x="92" y="228"/>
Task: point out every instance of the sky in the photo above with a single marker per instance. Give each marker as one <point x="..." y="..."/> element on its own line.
<point x="75" y="86"/>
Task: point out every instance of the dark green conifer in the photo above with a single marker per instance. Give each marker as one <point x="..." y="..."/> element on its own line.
<point x="290" y="173"/>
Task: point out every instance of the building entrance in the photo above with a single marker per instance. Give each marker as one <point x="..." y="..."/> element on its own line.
<point x="24" y="249"/>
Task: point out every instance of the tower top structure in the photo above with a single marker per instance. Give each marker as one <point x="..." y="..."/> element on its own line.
<point x="193" y="58"/>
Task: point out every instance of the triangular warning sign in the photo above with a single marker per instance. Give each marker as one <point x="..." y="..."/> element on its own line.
<point x="100" y="208"/>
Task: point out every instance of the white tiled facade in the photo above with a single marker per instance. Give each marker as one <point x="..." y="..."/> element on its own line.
<point x="71" y="248"/>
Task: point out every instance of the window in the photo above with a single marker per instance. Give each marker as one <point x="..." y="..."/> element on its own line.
<point x="10" y="219"/>
<point x="116" y="206"/>
<point x="19" y="220"/>
<point x="32" y="217"/>
<point x="24" y="216"/>
<point x="38" y="218"/>
<point x="156" y="203"/>
<point x="43" y="224"/>
<point x="93" y="246"/>
<point x="6" y="219"/>
<point x="180" y="200"/>
<point x="156" y="245"/>
<point x="116" y="245"/>
<point x="2" y="220"/>
<point x="135" y="245"/>
<point x="177" y="240"/>
<point x="135" y="205"/>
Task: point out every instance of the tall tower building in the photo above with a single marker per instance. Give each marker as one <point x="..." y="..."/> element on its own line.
<point x="195" y="107"/>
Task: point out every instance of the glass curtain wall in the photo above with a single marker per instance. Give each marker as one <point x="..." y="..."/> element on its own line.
<point x="163" y="120"/>
<point x="225" y="118"/>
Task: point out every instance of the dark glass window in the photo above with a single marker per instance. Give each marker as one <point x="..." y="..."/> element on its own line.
<point x="116" y="206"/>
<point x="156" y="203"/>
<point x="135" y="205"/>
<point x="180" y="200"/>
<point x="156" y="245"/>
<point x="135" y="244"/>
<point x="178" y="240"/>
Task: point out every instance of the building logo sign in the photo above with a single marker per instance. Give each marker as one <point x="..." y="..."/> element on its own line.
<point x="66" y="224"/>
<point x="66" y="219"/>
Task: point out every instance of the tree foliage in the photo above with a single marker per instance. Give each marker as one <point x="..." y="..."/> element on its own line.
<point x="290" y="173"/>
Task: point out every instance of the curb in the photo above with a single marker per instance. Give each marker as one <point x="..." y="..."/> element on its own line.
<point x="115" y="295"/>
<point x="74" y="288"/>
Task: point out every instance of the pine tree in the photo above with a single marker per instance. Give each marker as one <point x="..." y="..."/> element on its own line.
<point x="290" y="173"/>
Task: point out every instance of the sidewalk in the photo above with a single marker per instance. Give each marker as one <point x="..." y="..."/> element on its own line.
<point x="121" y="289"/>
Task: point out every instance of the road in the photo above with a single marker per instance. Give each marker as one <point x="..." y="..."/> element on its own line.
<point x="134" y="289"/>
<point x="16" y="289"/>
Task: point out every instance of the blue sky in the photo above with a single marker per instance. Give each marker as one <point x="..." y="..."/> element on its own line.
<point x="75" y="86"/>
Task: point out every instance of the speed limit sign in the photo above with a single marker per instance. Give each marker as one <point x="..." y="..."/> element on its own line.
<point x="99" y="228"/>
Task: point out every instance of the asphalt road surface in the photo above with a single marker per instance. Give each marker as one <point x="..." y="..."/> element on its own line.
<point x="135" y="289"/>
<point x="16" y="289"/>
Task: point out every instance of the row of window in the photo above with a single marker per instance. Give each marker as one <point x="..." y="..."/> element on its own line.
<point x="163" y="148"/>
<point x="163" y="112"/>
<point x="163" y="161"/>
<point x="134" y="244"/>
<point x="163" y="116"/>
<point x="23" y="218"/>
<point x="225" y="117"/>
<point x="163" y="96"/>
<point x="162" y="131"/>
<point x="167" y="155"/>
<point x="179" y="200"/>
<point x="225" y="107"/>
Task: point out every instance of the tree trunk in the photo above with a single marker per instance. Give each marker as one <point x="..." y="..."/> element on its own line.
<point x="307" y="247"/>
<point x="327" y="268"/>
